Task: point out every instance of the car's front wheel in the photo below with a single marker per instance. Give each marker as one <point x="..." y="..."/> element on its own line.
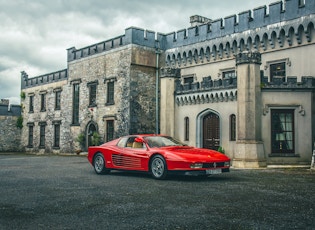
<point x="158" y="167"/>
<point x="99" y="164"/>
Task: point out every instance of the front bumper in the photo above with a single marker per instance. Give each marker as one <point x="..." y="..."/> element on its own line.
<point x="207" y="172"/>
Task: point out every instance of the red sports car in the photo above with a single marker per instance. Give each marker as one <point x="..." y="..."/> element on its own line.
<point x="157" y="154"/>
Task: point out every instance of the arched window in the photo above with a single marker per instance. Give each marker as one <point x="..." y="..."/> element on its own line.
<point x="186" y="120"/>
<point x="232" y="127"/>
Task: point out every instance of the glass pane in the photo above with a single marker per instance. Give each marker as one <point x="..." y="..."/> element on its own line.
<point x="282" y="132"/>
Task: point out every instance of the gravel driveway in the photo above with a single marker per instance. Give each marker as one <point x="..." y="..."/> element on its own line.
<point x="63" y="192"/>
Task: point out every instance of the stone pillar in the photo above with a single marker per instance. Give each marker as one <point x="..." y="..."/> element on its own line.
<point x="249" y="151"/>
<point x="167" y="101"/>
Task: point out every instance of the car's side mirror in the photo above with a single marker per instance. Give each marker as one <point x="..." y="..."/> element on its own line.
<point x="139" y="140"/>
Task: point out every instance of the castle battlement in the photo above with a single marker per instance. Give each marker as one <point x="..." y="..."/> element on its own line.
<point x="246" y="20"/>
<point x="42" y="79"/>
<point x="133" y="35"/>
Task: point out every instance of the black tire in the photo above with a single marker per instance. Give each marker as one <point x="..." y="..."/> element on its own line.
<point x="158" y="167"/>
<point x="99" y="164"/>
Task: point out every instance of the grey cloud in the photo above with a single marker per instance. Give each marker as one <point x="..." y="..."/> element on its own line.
<point x="35" y="34"/>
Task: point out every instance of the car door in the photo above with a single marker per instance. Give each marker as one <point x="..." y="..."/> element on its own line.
<point x="133" y="156"/>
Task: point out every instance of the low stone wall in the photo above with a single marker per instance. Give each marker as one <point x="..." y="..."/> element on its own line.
<point x="10" y="134"/>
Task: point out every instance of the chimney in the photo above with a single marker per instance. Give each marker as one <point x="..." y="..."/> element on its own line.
<point x="197" y="20"/>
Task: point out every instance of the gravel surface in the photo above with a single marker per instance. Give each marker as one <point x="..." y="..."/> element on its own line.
<point x="63" y="192"/>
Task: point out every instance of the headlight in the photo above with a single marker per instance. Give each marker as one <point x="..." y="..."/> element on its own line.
<point x="196" y="165"/>
<point x="227" y="164"/>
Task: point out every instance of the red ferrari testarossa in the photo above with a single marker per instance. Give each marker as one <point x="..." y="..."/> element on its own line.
<point x="157" y="154"/>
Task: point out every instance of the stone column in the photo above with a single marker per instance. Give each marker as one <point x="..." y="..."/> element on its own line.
<point x="249" y="151"/>
<point x="167" y="101"/>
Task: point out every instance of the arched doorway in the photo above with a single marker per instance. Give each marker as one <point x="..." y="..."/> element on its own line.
<point x="90" y="130"/>
<point x="211" y="131"/>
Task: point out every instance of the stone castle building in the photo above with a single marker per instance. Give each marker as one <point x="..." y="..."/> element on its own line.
<point x="244" y="83"/>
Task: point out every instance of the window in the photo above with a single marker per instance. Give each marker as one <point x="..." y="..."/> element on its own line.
<point x="56" y="134"/>
<point x="31" y="109"/>
<point x="282" y="130"/>
<point x="229" y="74"/>
<point x="233" y="127"/>
<point x="109" y="130"/>
<point x="42" y="127"/>
<point x="30" y="135"/>
<point x="42" y="102"/>
<point x="301" y="3"/>
<point x="186" y="120"/>
<point x="75" y="104"/>
<point x="92" y="93"/>
<point x="188" y="80"/>
<point x="92" y="99"/>
<point x="57" y="99"/>
<point x="110" y="93"/>
<point x="277" y="70"/>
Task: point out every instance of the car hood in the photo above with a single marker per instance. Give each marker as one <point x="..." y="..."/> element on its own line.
<point x="193" y="154"/>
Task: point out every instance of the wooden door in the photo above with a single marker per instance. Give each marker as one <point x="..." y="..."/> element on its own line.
<point x="211" y="131"/>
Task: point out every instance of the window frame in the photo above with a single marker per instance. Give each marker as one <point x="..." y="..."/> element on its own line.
<point x="42" y="101"/>
<point x="42" y="134"/>
<point x="57" y="99"/>
<point x="186" y="125"/>
<point x="30" y="135"/>
<point x="75" y="103"/>
<point x="232" y="127"/>
<point x="110" y="93"/>
<point x="92" y="93"/>
<point x="57" y="132"/>
<point x="276" y="133"/>
<point x="31" y="103"/>
<point x="110" y="129"/>
<point x="274" y="72"/>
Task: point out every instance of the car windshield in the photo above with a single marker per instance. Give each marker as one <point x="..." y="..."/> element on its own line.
<point x="162" y="141"/>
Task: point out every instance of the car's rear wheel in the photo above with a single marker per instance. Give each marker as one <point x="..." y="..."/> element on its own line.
<point x="158" y="167"/>
<point x="99" y="164"/>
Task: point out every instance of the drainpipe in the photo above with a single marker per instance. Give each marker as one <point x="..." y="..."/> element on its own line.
<point x="157" y="111"/>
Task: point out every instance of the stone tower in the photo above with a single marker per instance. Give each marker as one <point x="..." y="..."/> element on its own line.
<point x="249" y="152"/>
<point x="167" y="103"/>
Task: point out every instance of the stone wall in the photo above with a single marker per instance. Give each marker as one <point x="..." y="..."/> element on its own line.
<point x="10" y="134"/>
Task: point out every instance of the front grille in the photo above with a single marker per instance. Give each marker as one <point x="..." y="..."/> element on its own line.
<point x="211" y="165"/>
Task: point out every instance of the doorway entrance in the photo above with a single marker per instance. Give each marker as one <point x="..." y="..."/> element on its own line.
<point x="211" y="131"/>
<point x="91" y="129"/>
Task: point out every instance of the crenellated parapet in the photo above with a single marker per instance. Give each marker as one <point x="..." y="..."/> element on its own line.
<point x="247" y="20"/>
<point x="260" y="28"/>
<point x="224" y="90"/>
<point x="288" y="83"/>
<point x="206" y="85"/>
<point x="27" y="82"/>
<point x="133" y="35"/>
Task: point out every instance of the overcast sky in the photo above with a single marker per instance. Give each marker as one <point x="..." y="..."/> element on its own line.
<point x="34" y="34"/>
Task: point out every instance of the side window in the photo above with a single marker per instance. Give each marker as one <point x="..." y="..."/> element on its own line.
<point x="122" y="142"/>
<point x="186" y="120"/>
<point x="282" y="131"/>
<point x="31" y="103"/>
<point x="30" y="135"/>
<point x="277" y="70"/>
<point x="75" y="103"/>
<point x="233" y="127"/>
<point x="42" y="128"/>
<point x="57" y="99"/>
<point x="110" y="130"/>
<point x="56" y="134"/>
<point x="92" y="93"/>
<point x="110" y="93"/>
<point x="43" y="102"/>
